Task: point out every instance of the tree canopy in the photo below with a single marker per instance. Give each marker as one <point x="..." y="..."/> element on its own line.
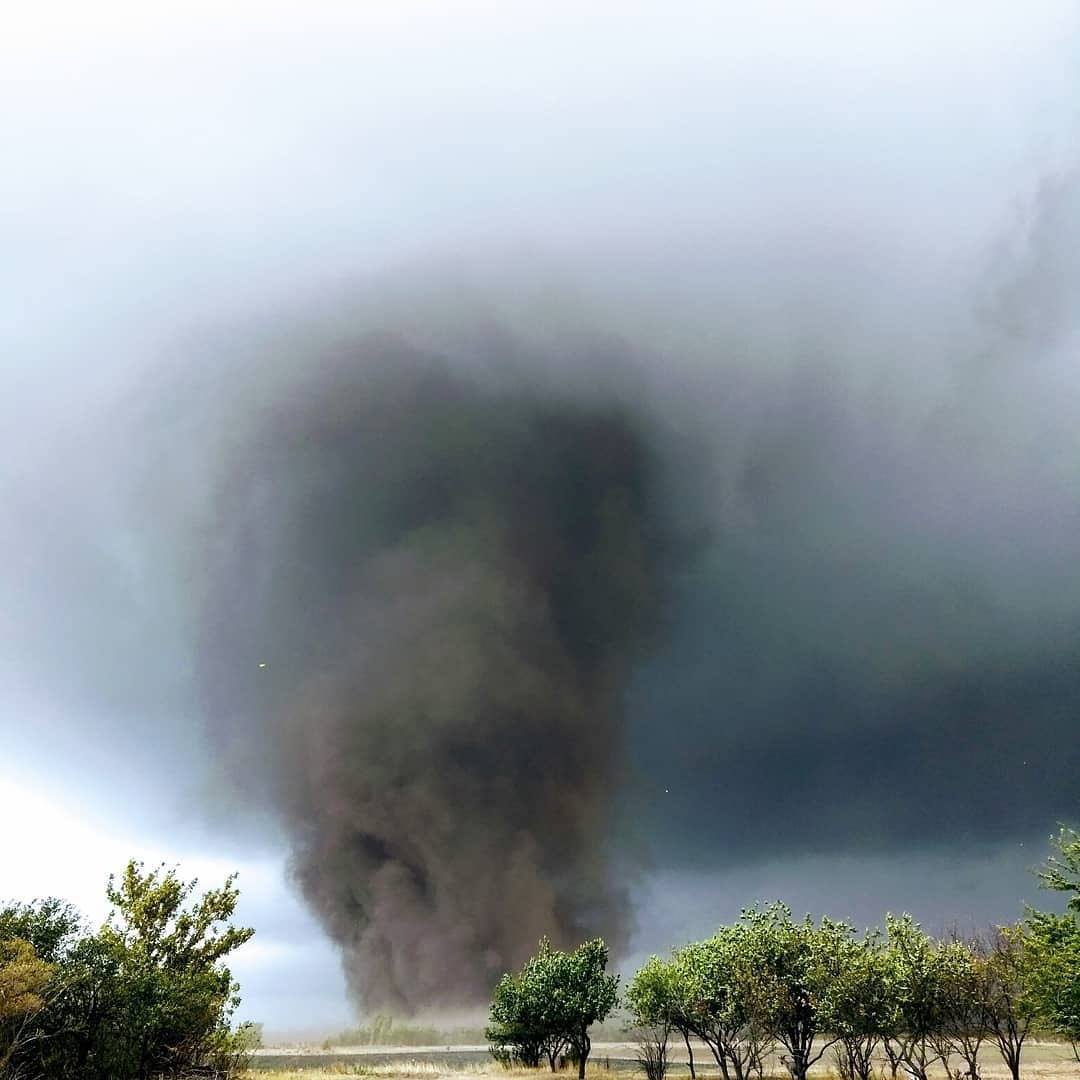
<point x="546" y="1010"/>
<point x="148" y="994"/>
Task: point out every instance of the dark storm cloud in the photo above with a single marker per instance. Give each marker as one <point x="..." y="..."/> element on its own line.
<point x="880" y="651"/>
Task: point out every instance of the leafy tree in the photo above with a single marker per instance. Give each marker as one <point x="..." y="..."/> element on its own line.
<point x="520" y="1029"/>
<point x="1052" y="942"/>
<point x="1062" y="871"/>
<point x="24" y="977"/>
<point x="1012" y="1005"/>
<point x="51" y="926"/>
<point x="178" y="995"/>
<point x="796" y="965"/>
<point x="917" y="974"/>
<point x="647" y="998"/>
<point x="862" y="1006"/>
<point x="964" y="986"/>
<point x="548" y="1008"/>
<point x="1053" y="948"/>
<point x="658" y="999"/>
<point x="724" y="1006"/>
<point x="584" y="993"/>
<point x="146" y="995"/>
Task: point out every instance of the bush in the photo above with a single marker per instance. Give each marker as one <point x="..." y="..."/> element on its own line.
<point x="146" y="995"/>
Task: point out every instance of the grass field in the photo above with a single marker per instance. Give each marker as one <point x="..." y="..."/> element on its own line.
<point x="614" y="1061"/>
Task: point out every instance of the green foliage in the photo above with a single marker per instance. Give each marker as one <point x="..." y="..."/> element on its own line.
<point x="901" y="994"/>
<point x="147" y="995"/>
<point x="796" y="964"/>
<point x="862" y="1006"/>
<point x="659" y="1004"/>
<point x="24" y="978"/>
<point x="520" y="1029"/>
<point x="653" y="995"/>
<point x="50" y="925"/>
<point x="1011" y="1005"/>
<point x="1062" y="871"/>
<point x="917" y="974"/>
<point x="1053" y="943"/>
<point x="767" y="978"/>
<point x="546" y="1010"/>
<point x="964" y="995"/>
<point x="721" y="999"/>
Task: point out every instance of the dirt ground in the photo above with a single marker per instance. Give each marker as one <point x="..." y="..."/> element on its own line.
<point x="609" y="1061"/>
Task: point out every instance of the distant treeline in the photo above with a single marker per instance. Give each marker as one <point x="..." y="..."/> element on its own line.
<point x="882" y="1004"/>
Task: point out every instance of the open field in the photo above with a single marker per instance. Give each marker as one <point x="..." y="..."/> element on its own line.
<point x="610" y="1061"/>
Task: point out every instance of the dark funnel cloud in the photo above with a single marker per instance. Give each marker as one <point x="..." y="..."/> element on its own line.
<point x="428" y="589"/>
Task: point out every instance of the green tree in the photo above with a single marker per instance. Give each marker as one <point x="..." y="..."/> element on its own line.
<point x="1012" y="1005"/>
<point x="148" y="994"/>
<point x="585" y="993"/>
<point x="179" y="996"/>
<point x="24" y="977"/>
<point x="50" y="925"/>
<point x="47" y="1035"/>
<point x="1062" y="871"/>
<point x="658" y="999"/>
<point x="964" y="988"/>
<point x="1053" y="944"/>
<point x="724" y="1005"/>
<point x="796" y="966"/>
<point x="520" y="1026"/>
<point x="548" y="1008"/>
<point x="862" y="1005"/>
<point x="917" y="978"/>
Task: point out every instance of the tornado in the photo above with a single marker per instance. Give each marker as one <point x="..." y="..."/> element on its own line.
<point x="427" y="587"/>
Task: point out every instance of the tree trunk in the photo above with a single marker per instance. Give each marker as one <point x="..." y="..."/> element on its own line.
<point x="690" y="1053"/>
<point x="797" y="1064"/>
<point x="583" y="1054"/>
<point x="1011" y="1048"/>
<point x="892" y="1056"/>
<point x="721" y="1059"/>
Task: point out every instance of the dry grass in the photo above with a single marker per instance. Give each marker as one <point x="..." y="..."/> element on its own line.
<point x="410" y="1070"/>
<point x="424" y="1070"/>
<point x="1042" y="1061"/>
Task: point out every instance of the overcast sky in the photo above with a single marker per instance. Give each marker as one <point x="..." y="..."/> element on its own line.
<point x="839" y="237"/>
